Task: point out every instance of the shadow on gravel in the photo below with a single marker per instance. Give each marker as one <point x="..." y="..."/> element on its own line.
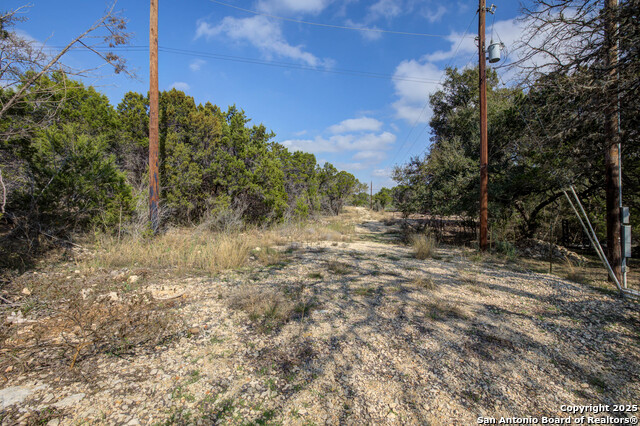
<point x="388" y="357"/>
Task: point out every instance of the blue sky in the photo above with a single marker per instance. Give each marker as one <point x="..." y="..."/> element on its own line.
<point x="354" y="98"/>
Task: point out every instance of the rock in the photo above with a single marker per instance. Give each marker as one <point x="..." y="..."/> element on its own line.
<point x="13" y="395"/>
<point x="53" y="422"/>
<point x="133" y="421"/>
<point x="194" y="330"/>
<point x="9" y="369"/>
<point x="133" y="279"/>
<point x="26" y="291"/>
<point x="113" y="296"/>
<point x="69" y="401"/>
<point x="16" y="318"/>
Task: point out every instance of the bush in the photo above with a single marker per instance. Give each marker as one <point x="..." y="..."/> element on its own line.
<point x="424" y="246"/>
<point x="74" y="182"/>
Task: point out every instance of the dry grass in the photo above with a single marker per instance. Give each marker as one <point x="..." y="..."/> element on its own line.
<point x="440" y="310"/>
<point x="576" y="275"/>
<point x="70" y="323"/>
<point x="184" y="250"/>
<point x="424" y="282"/>
<point x="424" y="246"/>
<point x="338" y="268"/>
<point x="181" y="250"/>
<point x="270" y="309"/>
<point x="269" y="256"/>
<point x="469" y="278"/>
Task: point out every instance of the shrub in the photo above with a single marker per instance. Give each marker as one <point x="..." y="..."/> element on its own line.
<point x="424" y="246"/>
<point x="74" y="182"/>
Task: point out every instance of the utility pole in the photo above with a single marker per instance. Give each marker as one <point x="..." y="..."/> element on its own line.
<point x="154" y="186"/>
<point x="371" y="197"/>
<point x="484" y="150"/>
<point x="612" y="154"/>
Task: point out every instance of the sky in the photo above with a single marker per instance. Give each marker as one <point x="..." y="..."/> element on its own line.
<point x="353" y="97"/>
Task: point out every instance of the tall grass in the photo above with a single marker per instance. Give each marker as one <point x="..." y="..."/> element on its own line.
<point x="202" y="249"/>
<point x="424" y="246"/>
<point x="182" y="250"/>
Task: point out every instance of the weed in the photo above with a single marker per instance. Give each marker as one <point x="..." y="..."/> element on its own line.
<point x="269" y="309"/>
<point x="269" y="256"/>
<point x="343" y="228"/>
<point x="271" y="384"/>
<point x="424" y="246"/>
<point x="469" y="279"/>
<point x="599" y="384"/>
<point x="315" y="276"/>
<point x="365" y="291"/>
<point x="439" y="310"/>
<point x="181" y="250"/>
<point x="215" y="340"/>
<point x="338" y="268"/>
<point x="424" y="282"/>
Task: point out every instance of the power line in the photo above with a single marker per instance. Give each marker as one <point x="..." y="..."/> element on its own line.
<point x="318" y="24"/>
<point x="242" y="59"/>
<point x="295" y="66"/>
<point x="426" y="104"/>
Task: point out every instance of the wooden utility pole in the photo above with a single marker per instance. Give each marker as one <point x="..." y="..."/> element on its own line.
<point x="154" y="185"/>
<point x="484" y="150"/>
<point x="371" y="196"/>
<point x="612" y="154"/>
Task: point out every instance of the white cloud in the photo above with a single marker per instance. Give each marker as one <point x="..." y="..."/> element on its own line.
<point x="412" y="103"/>
<point x="262" y="33"/>
<point x="196" y="65"/>
<point x="385" y="9"/>
<point x="357" y="166"/>
<point x="357" y="125"/>
<point x="341" y="143"/>
<point x="372" y="156"/>
<point x="412" y="95"/>
<point x="367" y="35"/>
<point x="382" y="173"/>
<point x="180" y="85"/>
<point x="292" y="6"/>
<point x="434" y="16"/>
<point x="509" y="31"/>
<point x="467" y="45"/>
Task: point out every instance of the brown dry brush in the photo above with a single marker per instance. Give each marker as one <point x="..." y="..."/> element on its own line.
<point x="75" y="329"/>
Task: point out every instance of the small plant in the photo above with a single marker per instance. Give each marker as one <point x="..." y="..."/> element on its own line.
<point x="507" y="249"/>
<point x="269" y="256"/>
<point x="424" y="246"/>
<point x="365" y="291"/>
<point x="315" y="275"/>
<point x="338" y="268"/>
<point x="439" y="310"/>
<point x="469" y="279"/>
<point x="424" y="282"/>
<point x="215" y="340"/>
<point x="576" y="275"/>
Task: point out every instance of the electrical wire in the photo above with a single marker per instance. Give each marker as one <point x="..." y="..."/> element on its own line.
<point x="356" y="73"/>
<point x="318" y="24"/>
<point x="242" y="59"/>
<point x="426" y="104"/>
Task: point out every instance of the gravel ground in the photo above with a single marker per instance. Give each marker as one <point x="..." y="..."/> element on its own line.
<point x="381" y="338"/>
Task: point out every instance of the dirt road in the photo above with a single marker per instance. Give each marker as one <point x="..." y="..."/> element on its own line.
<point x="357" y="332"/>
